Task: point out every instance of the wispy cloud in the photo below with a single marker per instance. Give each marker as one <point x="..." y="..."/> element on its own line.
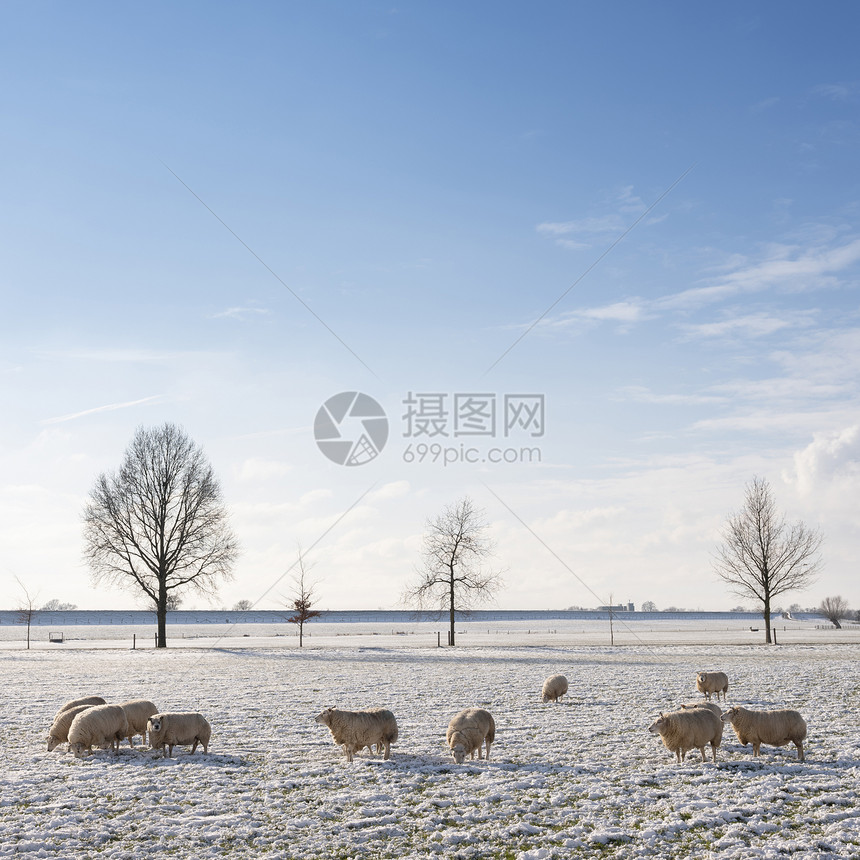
<point x="749" y="325"/>
<point x="784" y="267"/>
<point x="838" y="92"/>
<point x="240" y="313"/>
<point x="110" y="407"/>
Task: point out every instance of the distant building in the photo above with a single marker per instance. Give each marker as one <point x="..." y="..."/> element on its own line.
<point x="620" y="607"/>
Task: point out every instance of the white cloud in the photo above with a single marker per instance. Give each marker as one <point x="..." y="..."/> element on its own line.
<point x="829" y="456"/>
<point x="749" y="325"/>
<point x="240" y="313"/>
<point x="785" y="267"/>
<point x="110" y="407"/>
<point x="259" y="469"/>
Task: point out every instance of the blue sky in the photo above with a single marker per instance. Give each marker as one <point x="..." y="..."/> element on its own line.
<point x="664" y="197"/>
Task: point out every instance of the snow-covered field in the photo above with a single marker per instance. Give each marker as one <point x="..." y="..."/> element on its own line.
<point x="581" y="778"/>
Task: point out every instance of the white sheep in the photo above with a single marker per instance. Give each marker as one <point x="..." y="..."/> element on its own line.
<point x="468" y="730"/>
<point x="59" y="731"/>
<point x="775" y="728"/>
<point x="354" y="730"/>
<point x="86" y="700"/>
<point x="102" y="725"/>
<point x="554" y="688"/>
<point x="712" y="682"/>
<point x="710" y="706"/>
<point x="687" y="729"/>
<point x="138" y="712"/>
<point x="169" y="729"/>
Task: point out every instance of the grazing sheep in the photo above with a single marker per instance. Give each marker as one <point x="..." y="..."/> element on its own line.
<point x="554" y="688"/>
<point x="468" y="730"/>
<point x="87" y="700"/>
<point x="775" y="728"/>
<point x="687" y="729"/>
<point x="59" y="731"/>
<point x="712" y="682"/>
<point x="169" y="729"/>
<point x="710" y="706"/>
<point x="102" y="725"/>
<point x="138" y="712"/>
<point x="354" y="730"/>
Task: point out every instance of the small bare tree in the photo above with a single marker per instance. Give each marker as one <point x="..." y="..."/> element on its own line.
<point x="159" y="524"/>
<point x="761" y="556"/>
<point x="26" y="610"/>
<point x="302" y="599"/>
<point x="55" y="605"/>
<point x="452" y="577"/>
<point x="243" y="606"/>
<point x="834" y="609"/>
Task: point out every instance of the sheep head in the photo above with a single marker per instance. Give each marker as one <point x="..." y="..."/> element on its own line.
<point x="459" y="753"/>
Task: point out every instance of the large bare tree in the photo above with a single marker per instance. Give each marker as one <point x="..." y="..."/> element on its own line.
<point x="761" y="556"/>
<point x="159" y="524"/>
<point x="453" y="576"/>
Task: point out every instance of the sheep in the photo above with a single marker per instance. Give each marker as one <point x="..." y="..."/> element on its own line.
<point x="138" y="712"/>
<point x="354" y="730"/>
<point x="102" y="725"/>
<point x="554" y="688"/>
<point x="468" y="730"/>
<point x="710" y="706"/>
<point x="712" y="682"/>
<point x="87" y="700"/>
<point x="687" y="729"/>
<point x="169" y="729"/>
<point x="59" y="731"/>
<point x="776" y="728"/>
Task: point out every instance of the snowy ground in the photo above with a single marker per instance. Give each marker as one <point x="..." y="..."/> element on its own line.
<point x="582" y="778"/>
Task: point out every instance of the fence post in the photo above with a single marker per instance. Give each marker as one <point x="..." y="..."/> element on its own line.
<point x="774" y="636"/>
<point x="133" y="641"/>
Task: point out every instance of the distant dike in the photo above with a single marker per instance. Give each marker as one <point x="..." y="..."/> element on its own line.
<point x="114" y="617"/>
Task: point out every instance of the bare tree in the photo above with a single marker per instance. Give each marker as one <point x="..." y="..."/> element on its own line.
<point x="159" y="524"/>
<point x="452" y="577"/>
<point x="55" y="605"/>
<point x="649" y="606"/>
<point x="302" y="599"/>
<point x="26" y="610"/>
<point x="834" y="609"/>
<point x="243" y="606"/>
<point x="761" y="556"/>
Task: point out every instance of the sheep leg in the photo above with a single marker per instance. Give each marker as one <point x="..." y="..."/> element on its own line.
<point x="714" y="750"/>
<point x="488" y="750"/>
<point x="756" y="747"/>
<point x="387" y="750"/>
<point x="799" y="745"/>
<point x="194" y="745"/>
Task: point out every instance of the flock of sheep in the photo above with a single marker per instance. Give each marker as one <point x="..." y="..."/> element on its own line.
<point x="84" y="723"/>
<point x="90" y="721"/>
<point x="696" y="725"/>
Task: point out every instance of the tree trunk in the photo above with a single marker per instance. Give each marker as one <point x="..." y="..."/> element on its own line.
<point x="767" y="637"/>
<point x="161" y="611"/>
<point x="451" y="596"/>
<point x="301" y="625"/>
